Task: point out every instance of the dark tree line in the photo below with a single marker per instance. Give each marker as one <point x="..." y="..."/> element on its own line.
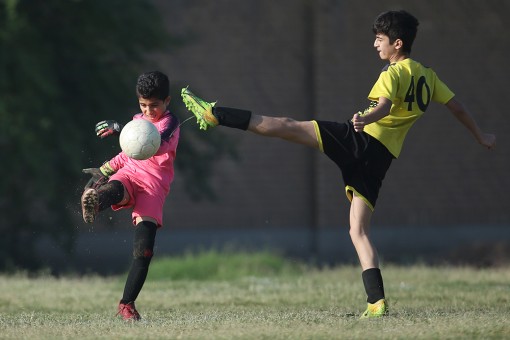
<point x="64" y="65"/>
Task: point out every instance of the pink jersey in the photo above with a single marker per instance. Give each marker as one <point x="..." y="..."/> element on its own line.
<point x="150" y="178"/>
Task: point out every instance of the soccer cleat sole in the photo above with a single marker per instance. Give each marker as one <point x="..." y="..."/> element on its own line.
<point x="89" y="205"/>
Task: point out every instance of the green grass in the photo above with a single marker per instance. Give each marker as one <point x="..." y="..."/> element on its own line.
<point x="259" y="296"/>
<point x="224" y="265"/>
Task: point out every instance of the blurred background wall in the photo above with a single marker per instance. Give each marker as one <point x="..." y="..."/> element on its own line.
<point x="315" y="60"/>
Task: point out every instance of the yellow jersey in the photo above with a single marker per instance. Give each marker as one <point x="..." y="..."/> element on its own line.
<point x="411" y="87"/>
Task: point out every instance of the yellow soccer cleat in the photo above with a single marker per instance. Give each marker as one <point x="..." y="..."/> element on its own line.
<point x="200" y="108"/>
<point x="376" y="310"/>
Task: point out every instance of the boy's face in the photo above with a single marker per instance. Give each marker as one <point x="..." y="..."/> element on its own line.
<point x="387" y="51"/>
<point x="153" y="108"/>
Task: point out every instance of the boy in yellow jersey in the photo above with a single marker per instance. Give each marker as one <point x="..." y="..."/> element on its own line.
<point x="365" y="145"/>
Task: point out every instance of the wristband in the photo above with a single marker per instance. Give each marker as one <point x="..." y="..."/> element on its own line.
<point x="106" y="169"/>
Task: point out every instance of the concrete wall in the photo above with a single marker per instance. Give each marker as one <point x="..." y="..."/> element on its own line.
<point x="315" y="59"/>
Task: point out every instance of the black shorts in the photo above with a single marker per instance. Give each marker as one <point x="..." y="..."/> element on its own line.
<point x="362" y="159"/>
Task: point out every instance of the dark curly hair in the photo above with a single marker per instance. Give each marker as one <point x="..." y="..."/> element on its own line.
<point x="153" y="85"/>
<point x="397" y="25"/>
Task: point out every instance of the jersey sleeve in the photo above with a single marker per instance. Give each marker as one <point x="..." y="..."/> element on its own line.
<point x="442" y="94"/>
<point x="118" y="161"/>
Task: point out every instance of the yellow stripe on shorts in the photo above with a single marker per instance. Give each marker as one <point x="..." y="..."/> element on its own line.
<point x="318" y="134"/>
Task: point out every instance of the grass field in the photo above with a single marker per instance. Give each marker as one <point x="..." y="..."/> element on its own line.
<point x="259" y="296"/>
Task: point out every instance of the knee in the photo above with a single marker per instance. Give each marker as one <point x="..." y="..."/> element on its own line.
<point x="142" y="252"/>
<point x="290" y="125"/>
<point x="110" y="193"/>
<point x="353" y="233"/>
<point x="293" y="130"/>
<point x="143" y="245"/>
<point x="357" y="233"/>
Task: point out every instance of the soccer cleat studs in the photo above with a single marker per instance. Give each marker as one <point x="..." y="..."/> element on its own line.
<point x="89" y="205"/>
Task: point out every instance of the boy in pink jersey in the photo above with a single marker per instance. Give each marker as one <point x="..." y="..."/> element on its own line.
<point x="141" y="185"/>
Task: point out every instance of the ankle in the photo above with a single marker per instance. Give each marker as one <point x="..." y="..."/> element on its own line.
<point x="233" y="118"/>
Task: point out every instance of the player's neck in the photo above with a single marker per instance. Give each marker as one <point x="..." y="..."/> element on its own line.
<point x="398" y="57"/>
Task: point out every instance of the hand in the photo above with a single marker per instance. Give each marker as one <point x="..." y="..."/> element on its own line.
<point x="357" y="122"/>
<point x="488" y="140"/>
<point x="107" y="128"/>
<point x="97" y="179"/>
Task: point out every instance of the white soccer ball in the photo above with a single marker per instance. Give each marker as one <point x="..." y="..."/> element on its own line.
<point x="139" y="139"/>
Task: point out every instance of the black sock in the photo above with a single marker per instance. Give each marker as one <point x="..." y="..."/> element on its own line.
<point x="372" y="279"/>
<point x="110" y="193"/>
<point x="234" y="118"/>
<point x="135" y="280"/>
<point x="143" y="247"/>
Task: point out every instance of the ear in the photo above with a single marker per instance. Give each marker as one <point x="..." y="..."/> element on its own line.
<point x="167" y="100"/>
<point x="398" y="44"/>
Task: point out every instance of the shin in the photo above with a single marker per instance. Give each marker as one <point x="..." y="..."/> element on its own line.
<point x="360" y="215"/>
<point x="143" y="248"/>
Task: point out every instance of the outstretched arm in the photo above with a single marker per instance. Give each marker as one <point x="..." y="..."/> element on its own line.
<point x="488" y="140"/>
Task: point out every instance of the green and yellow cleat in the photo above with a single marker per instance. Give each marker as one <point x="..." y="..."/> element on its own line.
<point x="376" y="310"/>
<point x="200" y="108"/>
